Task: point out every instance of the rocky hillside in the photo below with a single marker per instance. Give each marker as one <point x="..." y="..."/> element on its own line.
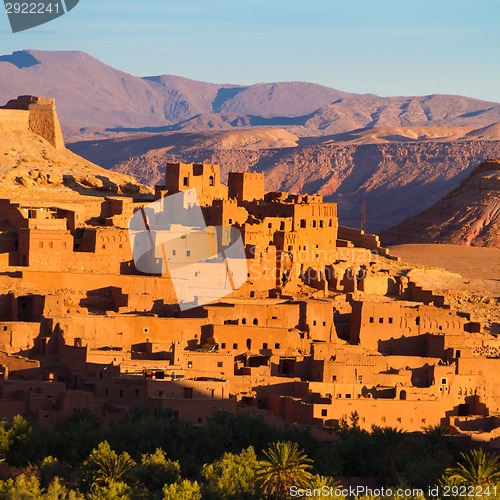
<point x="32" y="168"/>
<point x="397" y="180"/>
<point x="469" y="215"/>
<point x="106" y="98"/>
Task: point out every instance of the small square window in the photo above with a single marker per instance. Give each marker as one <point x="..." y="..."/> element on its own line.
<point x="235" y="346"/>
<point x="390" y="321"/>
<point x="190" y="364"/>
<point x="371" y="319"/>
<point x="324" y="413"/>
<point x="223" y="345"/>
<point x="277" y="346"/>
<point x="220" y="364"/>
<point x="381" y="320"/>
<point x="188" y="253"/>
<point x="264" y="345"/>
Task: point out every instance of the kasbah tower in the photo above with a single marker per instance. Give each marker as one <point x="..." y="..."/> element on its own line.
<point x="327" y="322"/>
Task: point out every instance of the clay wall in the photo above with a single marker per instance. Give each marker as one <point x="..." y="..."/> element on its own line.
<point x="225" y="213"/>
<point x="207" y="364"/>
<point x="197" y="411"/>
<point x="246" y="186"/>
<point x="372" y="322"/>
<point x="263" y="271"/>
<point x="44" y="249"/>
<point x="411" y="416"/>
<point x="193" y="400"/>
<point x="241" y="339"/>
<point x="14" y="120"/>
<point x="204" y="178"/>
<point x="284" y="315"/>
<point x="19" y="366"/>
<point x="155" y="288"/>
<point x="126" y="331"/>
<point x="18" y="336"/>
<point x="320" y="320"/>
<point x="379" y="325"/>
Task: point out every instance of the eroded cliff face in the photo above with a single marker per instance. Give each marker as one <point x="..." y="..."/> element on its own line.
<point x="397" y="180"/>
<point x="469" y="215"/>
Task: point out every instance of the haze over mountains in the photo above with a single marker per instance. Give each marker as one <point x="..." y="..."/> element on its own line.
<point x="92" y="94"/>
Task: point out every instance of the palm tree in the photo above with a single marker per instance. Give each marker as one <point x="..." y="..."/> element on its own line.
<point x="475" y="468"/>
<point x="435" y="436"/>
<point x="104" y="465"/>
<point x="285" y="466"/>
<point x="389" y="439"/>
<point x="319" y="482"/>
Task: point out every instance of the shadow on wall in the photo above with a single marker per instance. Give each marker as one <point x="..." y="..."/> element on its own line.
<point x="101" y="300"/>
<point x="404" y="346"/>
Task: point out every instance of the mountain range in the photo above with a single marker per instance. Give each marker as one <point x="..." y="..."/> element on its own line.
<point x="91" y="94"/>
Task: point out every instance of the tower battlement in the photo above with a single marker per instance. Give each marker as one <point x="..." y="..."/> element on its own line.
<point x="34" y="114"/>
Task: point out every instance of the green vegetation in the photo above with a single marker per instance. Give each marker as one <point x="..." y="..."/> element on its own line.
<point x="284" y="465"/>
<point x="149" y="455"/>
<point x="475" y="468"/>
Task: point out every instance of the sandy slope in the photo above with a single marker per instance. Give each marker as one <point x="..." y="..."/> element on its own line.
<point x="31" y="168"/>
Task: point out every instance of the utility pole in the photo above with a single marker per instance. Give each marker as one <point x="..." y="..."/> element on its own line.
<point x="363" y="215"/>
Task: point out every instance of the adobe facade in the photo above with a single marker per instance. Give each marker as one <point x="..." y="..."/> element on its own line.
<point x="326" y="324"/>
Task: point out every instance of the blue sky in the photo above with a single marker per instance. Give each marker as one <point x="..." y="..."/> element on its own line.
<point x="387" y="47"/>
